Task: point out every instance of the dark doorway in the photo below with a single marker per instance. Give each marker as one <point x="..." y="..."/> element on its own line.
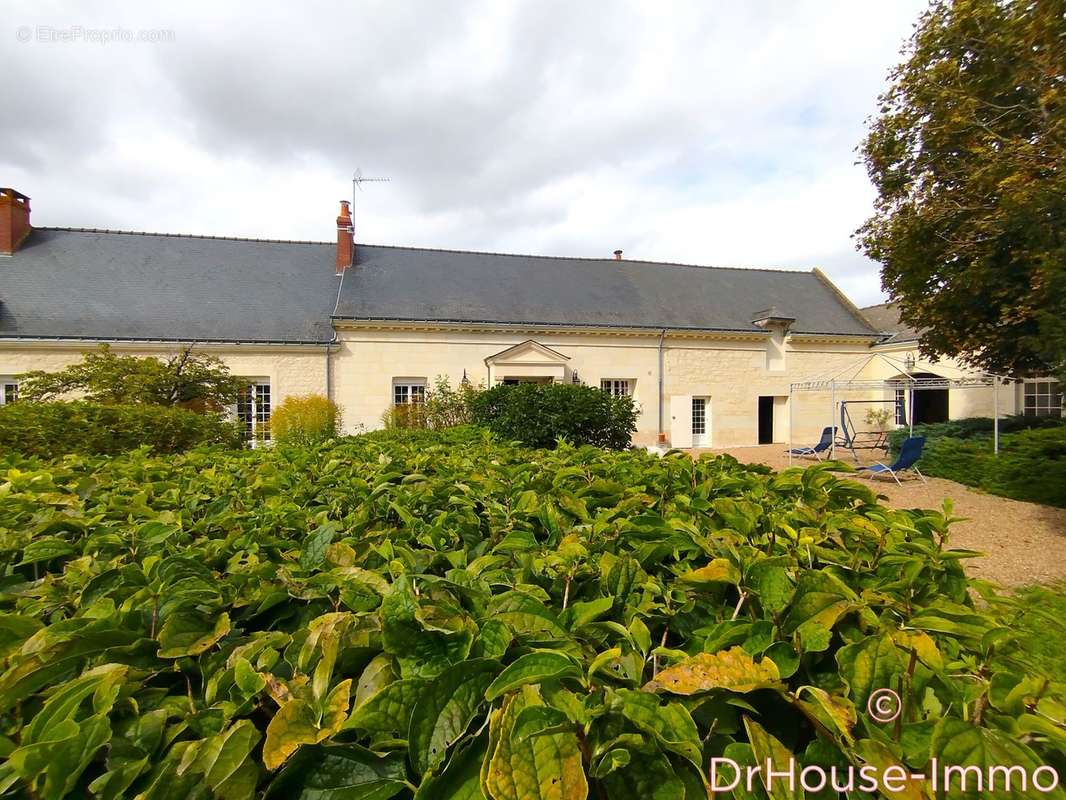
<point x="766" y="420"/>
<point x="930" y="405"/>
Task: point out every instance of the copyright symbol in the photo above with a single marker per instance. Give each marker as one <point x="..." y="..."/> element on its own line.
<point x="24" y="33"/>
<point x="884" y="706"/>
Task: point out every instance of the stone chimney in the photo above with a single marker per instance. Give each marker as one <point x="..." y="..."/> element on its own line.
<point x="14" y="220"/>
<point x="345" y="238"/>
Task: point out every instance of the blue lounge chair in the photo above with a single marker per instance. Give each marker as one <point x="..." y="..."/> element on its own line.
<point x="908" y="457"/>
<point x="823" y="444"/>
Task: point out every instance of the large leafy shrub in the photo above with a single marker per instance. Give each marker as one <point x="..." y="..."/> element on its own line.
<point x="190" y="379"/>
<point x="540" y="414"/>
<point x="304" y="420"/>
<point x="443" y="407"/>
<point x="1031" y="464"/>
<point x="380" y="617"/>
<point x="49" y="430"/>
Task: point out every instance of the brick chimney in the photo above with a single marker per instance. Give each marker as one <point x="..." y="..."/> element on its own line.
<point x="345" y="239"/>
<point x="14" y="220"/>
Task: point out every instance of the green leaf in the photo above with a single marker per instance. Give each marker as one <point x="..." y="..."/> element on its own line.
<point x="390" y="709"/>
<point x="821" y="598"/>
<point x="313" y="553"/>
<point x="339" y="772"/>
<point x="45" y="550"/>
<point x="462" y="779"/>
<point x="189" y="633"/>
<point x="444" y="710"/>
<point x="670" y="724"/>
<point x="647" y="775"/>
<point x="768" y="749"/>
<point x="868" y="665"/>
<point x="223" y="760"/>
<point x="963" y="745"/>
<point x="533" y="668"/>
<point x="771" y="584"/>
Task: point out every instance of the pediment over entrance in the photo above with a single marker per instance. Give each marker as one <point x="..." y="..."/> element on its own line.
<point x="528" y="360"/>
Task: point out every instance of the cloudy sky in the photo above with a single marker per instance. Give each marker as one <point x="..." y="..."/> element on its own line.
<point x="706" y="132"/>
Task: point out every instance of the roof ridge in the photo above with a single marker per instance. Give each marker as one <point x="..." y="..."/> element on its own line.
<point x="610" y="260"/>
<point x="70" y="229"/>
<point x="178" y="235"/>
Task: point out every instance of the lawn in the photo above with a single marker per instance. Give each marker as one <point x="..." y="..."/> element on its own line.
<point x="452" y="617"/>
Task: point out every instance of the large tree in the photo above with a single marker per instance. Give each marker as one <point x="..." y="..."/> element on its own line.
<point x="968" y="155"/>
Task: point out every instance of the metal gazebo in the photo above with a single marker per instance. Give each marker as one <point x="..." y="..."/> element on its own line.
<point x="848" y="379"/>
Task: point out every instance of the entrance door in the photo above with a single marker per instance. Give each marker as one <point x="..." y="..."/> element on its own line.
<point x="700" y="422"/>
<point x="766" y="420"/>
<point x="681" y="420"/>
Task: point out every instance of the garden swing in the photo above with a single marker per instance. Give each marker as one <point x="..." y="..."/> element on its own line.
<point x="854" y="439"/>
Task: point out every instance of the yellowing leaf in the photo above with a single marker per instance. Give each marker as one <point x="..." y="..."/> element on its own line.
<point x="733" y="669"/>
<point x="546" y="767"/>
<point x="296" y="723"/>
<point x="720" y="570"/>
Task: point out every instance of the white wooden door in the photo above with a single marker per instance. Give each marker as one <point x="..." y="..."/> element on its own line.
<point x="681" y="420"/>
<point x="701" y="421"/>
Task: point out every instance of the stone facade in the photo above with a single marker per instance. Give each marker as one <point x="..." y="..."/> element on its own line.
<point x="730" y="371"/>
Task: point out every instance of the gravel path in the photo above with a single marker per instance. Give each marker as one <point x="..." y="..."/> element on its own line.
<point x="1023" y="543"/>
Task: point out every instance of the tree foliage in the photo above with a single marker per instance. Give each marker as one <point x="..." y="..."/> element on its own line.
<point x="967" y="156"/>
<point x="190" y="379"/>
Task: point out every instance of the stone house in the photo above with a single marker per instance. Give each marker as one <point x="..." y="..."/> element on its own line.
<point x="708" y="353"/>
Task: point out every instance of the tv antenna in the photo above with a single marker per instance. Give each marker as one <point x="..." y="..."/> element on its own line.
<point x="358" y="180"/>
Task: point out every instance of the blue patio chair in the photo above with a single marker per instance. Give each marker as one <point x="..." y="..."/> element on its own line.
<point x="907" y="460"/>
<point x="823" y="444"/>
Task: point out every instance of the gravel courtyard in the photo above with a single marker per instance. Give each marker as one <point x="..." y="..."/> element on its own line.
<point x="1023" y="543"/>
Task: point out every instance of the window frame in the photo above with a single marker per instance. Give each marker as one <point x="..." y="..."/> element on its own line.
<point x="1042" y="392"/>
<point x="612" y="386"/>
<point x="9" y="390"/>
<point x="411" y="390"/>
<point x="253" y="409"/>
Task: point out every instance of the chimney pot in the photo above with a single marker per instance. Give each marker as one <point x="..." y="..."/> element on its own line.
<point x="617" y="255"/>
<point x="345" y="238"/>
<point x="14" y="220"/>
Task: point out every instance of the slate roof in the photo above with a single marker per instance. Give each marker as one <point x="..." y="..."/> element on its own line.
<point x="885" y="319"/>
<point x="85" y="284"/>
<point x="402" y="283"/>
<point x="67" y="283"/>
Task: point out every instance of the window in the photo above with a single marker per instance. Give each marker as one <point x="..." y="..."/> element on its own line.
<point x="408" y="391"/>
<point x="253" y="410"/>
<point x="616" y="387"/>
<point x="1042" y="398"/>
<point x="901" y="406"/>
<point x="9" y="391"/>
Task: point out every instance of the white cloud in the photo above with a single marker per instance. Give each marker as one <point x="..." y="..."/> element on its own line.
<point x="707" y="133"/>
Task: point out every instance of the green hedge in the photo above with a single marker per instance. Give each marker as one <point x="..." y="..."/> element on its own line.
<point x="539" y="415"/>
<point x="1031" y="464"/>
<point x="974" y="427"/>
<point x="50" y="430"/>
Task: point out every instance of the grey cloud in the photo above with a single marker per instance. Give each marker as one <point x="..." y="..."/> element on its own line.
<point x="480" y="112"/>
